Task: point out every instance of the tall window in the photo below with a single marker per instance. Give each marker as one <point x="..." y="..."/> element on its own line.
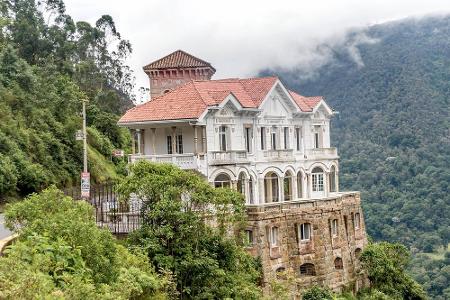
<point x="317" y="180"/>
<point x="299" y="185"/>
<point x="248" y="135"/>
<point x="357" y="221"/>
<point x="333" y="179"/>
<point x="223" y="130"/>
<point x="169" y="144"/>
<point x="241" y="183"/>
<point x="304" y="232"/>
<point x="273" y="138"/>
<point x="271" y="188"/>
<point x="334" y="227"/>
<point x="179" y="145"/>
<point x="316" y="140"/>
<point x="263" y="138"/>
<point x="222" y="181"/>
<point x="287" y="182"/>
<point x="286" y="137"/>
<point x="248" y="238"/>
<point x="273" y="236"/>
<point x="298" y="138"/>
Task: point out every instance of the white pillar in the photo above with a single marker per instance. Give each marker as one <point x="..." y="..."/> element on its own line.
<point x="154" y="141"/>
<point x="281" y="189"/>
<point x="139" y="141"/>
<point x="195" y="140"/>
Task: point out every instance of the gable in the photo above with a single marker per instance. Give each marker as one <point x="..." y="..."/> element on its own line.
<point x="278" y="103"/>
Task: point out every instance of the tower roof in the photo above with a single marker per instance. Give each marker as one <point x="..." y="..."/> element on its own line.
<point x="178" y="59"/>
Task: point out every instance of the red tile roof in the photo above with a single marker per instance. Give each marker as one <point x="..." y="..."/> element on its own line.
<point x="178" y="59"/>
<point x="189" y="101"/>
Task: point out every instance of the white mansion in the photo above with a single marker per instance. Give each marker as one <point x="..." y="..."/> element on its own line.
<point x="269" y="143"/>
<point x="255" y="134"/>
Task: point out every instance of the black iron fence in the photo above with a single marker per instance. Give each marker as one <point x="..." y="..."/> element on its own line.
<point x="120" y="216"/>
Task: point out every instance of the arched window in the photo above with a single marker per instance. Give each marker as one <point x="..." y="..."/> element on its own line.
<point x="271" y="189"/>
<point x="222" y="181"/>
<point x="332" y="179"/>
<point x="338" y="263"/>
<point x="358" y="252"/>
<point x="304" y="232"/>
<point x="307" y="270"/>
<point x="241" y="183"/>
<point x="287" y="182"/>
<point x="317" y="180"/>
<point x="299" y="185"/>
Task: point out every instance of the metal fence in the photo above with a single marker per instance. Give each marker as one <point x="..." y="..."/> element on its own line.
<point x="120" y="216"/>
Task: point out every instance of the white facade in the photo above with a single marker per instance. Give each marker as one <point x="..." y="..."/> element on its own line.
<point x="272" y="153"/>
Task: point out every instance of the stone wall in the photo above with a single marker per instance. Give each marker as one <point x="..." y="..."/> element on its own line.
<point x="321" y="250"/>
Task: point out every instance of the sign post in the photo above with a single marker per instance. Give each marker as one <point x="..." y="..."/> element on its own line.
<point x="85" y="185"/>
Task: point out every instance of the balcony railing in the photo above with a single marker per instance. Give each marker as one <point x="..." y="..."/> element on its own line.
<point x="184" y="161"/>
<point x="320" y="153"/>
<point x="276" y="154"/>
<point x="228" y="157"/>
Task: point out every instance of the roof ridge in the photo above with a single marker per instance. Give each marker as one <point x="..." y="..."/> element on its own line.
<point x="195" y="87"/>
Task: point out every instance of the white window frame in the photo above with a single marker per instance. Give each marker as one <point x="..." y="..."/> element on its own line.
<point x="274" y="236"/>
<point x="317" y="182"/>
<point x="304" y="232"/>
<point x="334" y="227"/>
<point x="263" y="138"/>
<point x="169" y="144"/>
<point x="286" y="137"/>
<point x="179" y="143"/>
<point x="357" y="220"/>
<point x="223" y="139"/>
<point x="248" y="138"/>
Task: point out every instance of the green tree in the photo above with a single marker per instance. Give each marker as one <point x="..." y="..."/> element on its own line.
<point x="385" y="264"/>
<point x="60" y="253"/>
<point x="205" y="261"/>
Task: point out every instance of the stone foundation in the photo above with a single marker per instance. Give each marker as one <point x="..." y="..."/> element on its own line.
<point x="289" y="252"/>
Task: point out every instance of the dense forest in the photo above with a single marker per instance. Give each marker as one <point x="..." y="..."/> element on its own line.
<point x="48" y="64"/>
<point x="390" y="84"/>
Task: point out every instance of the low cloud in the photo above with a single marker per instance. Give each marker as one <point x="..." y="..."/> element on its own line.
<point x="240" y="38"/>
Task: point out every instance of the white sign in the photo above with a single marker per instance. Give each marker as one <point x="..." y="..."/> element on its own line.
<point x="79" y="135"/>
<point x="85" y="184"/>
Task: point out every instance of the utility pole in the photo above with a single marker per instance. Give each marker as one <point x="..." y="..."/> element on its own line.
<point x="85" y="176"/>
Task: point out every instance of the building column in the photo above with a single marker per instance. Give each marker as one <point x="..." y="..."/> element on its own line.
<point x="326" y="183"/>
<point x="138" y="131"/>
<point x="133" y="141"/>
<point x="294" y="184"/>
<point x="153" y="141"/>
<point x="309" y="185"/>
<point x="195" y="140"/>
<point x="204" y="139"/>
<point x="281" y="189"/>
<point x="261" y="189"/>
<point x="174" y="141"/>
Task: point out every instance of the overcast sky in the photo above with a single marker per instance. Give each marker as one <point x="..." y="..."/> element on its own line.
<point x="241" y="37"/>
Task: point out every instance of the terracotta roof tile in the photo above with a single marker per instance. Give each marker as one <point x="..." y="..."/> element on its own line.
<point x="178" y="59"/>
<point x="189" y="101"/>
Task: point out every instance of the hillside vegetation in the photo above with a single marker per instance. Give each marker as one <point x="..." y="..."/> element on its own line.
<point x="48" y="64"/>
<point x="393" y="130"/>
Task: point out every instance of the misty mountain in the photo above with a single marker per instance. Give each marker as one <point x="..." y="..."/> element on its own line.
<point x="392" y="93"/>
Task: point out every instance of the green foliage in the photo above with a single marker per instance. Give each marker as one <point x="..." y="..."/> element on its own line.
<point x="62" y="254"/>
<point x="317" y="293"/>
<point x="179" y="205"/>
<point x="385" y="264"/>
<point x="46" y="68"/>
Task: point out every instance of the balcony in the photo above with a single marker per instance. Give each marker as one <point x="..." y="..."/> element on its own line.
<point x="187" y="161"/>
<point x="321" y="153"/>
<point x="278" y="154"/>
<point x="228" y="157"/>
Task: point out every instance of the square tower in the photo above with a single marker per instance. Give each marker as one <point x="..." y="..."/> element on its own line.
<point x="175" y="69"/>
